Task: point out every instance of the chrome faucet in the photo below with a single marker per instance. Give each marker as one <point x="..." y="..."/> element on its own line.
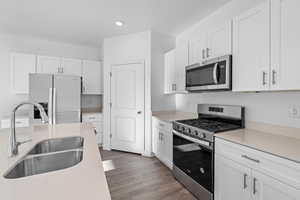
<point x="13" y="141"/>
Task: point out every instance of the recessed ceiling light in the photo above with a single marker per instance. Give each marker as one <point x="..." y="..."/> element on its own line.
<point x="119" y="23"/>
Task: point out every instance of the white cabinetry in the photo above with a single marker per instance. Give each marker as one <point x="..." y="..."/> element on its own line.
<point x="212" y="43"/>
<point x="91" y="75"/>
<point x="170" y="75"/>
<point x="96" y="120"/>
<point x="162" y="145"/>
<point x="219" y="40"/>
<point x="242" y="173"/>
<point x="21" y="66"/>
<point x="266" y="47"/>
<point x="285" y="45"/>
<point x="71" y="66"/>
<point x="181" y="61"/>
<point x="49" y="65"/>
<point x="251" y="51"/>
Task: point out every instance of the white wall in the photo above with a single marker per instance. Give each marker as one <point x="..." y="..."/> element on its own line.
<point x="11" y="43"/>
<point x="160" y="44"/>
<point x="124" y="49"/>
<point x="270" y="108"/>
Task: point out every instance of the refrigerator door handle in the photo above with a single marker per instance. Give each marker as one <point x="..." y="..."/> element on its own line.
<point x="54" y="106"/>
<point x="50" y="106"/>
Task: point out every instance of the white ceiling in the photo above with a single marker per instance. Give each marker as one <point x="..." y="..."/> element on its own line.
<point x="89" y="21"/>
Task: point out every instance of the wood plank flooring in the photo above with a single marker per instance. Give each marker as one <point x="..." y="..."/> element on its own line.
<point x="139" y="178"/>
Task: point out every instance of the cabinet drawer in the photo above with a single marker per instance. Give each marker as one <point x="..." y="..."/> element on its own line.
<point x="282" y="169"/>
<point x="92" y="117"/>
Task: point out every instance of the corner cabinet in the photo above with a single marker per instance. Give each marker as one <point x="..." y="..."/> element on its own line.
<point x="266" y="46"/>
<point x="162" y="141"/>
<point x="169" y="70"/>
<point x="253" y="175"/>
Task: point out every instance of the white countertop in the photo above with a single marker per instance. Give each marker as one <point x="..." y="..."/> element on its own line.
<point x="170" y="116"/>
<point x="279" y="145"/>
<point x="86" y="180"/>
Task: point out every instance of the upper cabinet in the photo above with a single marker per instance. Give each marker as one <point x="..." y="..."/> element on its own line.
<point x="285" y="45"/>
<point x="181" y="61"/>
<point x="170" y="81"/>
<point x="266" y="47"/>
<point x="21" y="66"/>
<point x="210" y="44"/>
<point x="251" y="52"/>
<point x="91" y="75"/>
<point x="219" y="40"/>
<point x="49" y="65"/>
<point x="71" y="66"/>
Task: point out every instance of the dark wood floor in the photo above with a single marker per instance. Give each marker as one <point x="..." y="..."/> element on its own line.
<point x="139" y="178"/>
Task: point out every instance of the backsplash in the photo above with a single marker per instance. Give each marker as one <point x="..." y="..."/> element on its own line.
<point x="271" y="108"/>
<point x="91" y="101"/>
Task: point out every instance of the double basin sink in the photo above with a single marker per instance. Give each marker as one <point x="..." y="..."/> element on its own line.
<point x="49" y="155"/>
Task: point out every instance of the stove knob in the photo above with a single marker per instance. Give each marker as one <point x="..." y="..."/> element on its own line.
<point x="189" y="130"/>
<point x="202" y="135"/>
<point x="182" y="129"/>
<point x="196" y="133"/>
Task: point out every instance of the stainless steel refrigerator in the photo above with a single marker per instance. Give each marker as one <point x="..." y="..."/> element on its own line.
<point x="60" y="95"/>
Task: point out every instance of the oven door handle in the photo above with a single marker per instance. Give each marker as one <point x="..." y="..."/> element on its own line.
<point x="215" y="74"/>
<point x="200" y="142"/>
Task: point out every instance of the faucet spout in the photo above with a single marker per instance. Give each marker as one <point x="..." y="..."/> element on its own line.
<point x="13" y="141"/>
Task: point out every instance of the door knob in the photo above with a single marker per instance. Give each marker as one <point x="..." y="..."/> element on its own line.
<point x="139" y="112"/>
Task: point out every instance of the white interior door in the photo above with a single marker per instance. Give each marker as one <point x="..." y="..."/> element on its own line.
<point x="127" y="109"/>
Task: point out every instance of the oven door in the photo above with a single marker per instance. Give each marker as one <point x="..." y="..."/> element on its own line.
<point x="193" y="158"/>
<point x="214" y="75"/>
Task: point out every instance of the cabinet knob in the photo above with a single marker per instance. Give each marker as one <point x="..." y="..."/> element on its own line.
<point x="139" y="112"/>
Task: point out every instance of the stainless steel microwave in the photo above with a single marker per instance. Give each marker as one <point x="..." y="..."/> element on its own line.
<point x="214" y="74"/>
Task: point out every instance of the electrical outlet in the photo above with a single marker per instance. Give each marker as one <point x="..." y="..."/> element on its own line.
<point x="294" y="112"/>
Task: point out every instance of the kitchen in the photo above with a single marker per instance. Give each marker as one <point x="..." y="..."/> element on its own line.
<point x="145" y="90"/>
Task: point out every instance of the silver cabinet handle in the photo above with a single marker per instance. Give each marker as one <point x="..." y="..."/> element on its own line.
<point x="264" y="78"/>
<point x="50" y="108"/>
<point x="175" y="87"/>
<point x="251" y="159"/>
<point x="273" y="77"/>
<point x="203" y="53"/>
<point x="139" y="112"/>
<point x="215" y="74"/>
<point x="207" y="53"/>
<point x="245" y="181"/>
<point x="254" y="186"/>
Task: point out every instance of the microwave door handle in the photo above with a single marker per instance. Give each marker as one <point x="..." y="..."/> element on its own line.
<point x="215" y="74"/>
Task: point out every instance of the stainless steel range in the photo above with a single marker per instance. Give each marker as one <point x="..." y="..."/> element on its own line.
<point x="193" y="146"/>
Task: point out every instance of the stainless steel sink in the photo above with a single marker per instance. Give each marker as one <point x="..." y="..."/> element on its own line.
<point x="57" y="144"/>
<point x="39" y="164"/>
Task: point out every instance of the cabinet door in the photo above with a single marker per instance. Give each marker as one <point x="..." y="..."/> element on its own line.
<point x="92" y="77"/>
<point x="219" y="41"/>
<point x="181" y="61"/>
<point x="197" y="48"/>
<point x="168" y="148"/>
<point x="251" y="49"/>
<point x="169" y="72"/>
<point x="21" y="66"/>
<point x="49" y="65"/>
<point x="155" y="137"/>
<point x="232" y="180"/>
<point x="285" y="45"/>
<point x="268" y="188"/>
<point x="71" y="66"/>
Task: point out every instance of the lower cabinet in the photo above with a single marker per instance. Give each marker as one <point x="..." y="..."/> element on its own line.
<point x="162" y="141"/>
<point x="96" y="120"/>
<point x="254" y="178"/>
